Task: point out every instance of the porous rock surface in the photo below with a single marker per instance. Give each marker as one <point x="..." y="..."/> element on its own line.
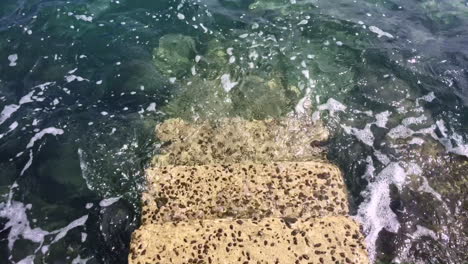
<point x="335" y="239"/>
<point x="237" y="191"/>
<point x="236" y="140"/>
<point x="283" y="189"/>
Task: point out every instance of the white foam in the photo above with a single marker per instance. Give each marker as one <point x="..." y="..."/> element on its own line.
<point x="380" y="33"/>
<point x="7" y="111"/>
<point x="375" y="212"/>
<point x="180" y="16"/>
<point x="428" y="98"/>
<point x="18" y="223"/>
<point x="400" y="131"/>
<point x="454" y="143"/>
<point x="50" y="130"/>
<point x="423" y="231"/>
<point x="84" y="169"/>
<point x="382" y="119"/>
<point x="84" y="236"/>
<point x="332" y="106"/>
<point x="425" y="187"/>
<point x="79" y="260"/>
<point x="364" y="135"/>
<point x="384" y="159"/>
<point x="416" y="141"/>
<point x="28" y="164"/>
<point x="71" y="77"/>
<point x="414" y="120"/>
<point x="109" y="201"/>
<point x="27" y="260"/>
<point x="28" y="98"/>
<point x="305" y="104"/>
<point x="62" y="232"/>
<point x="12" y="127"/>
<point x="306" y="74"/>
<point x="84" y="18"/>
<point x="227" y="83"/>
<point x="13" y="60"/>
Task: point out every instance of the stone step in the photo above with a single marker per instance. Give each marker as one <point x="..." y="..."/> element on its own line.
<point x="236" y="140"/>
<point x="237" y="191"/>
<point x="281" y="189"/>
<point x="335" y="239"/>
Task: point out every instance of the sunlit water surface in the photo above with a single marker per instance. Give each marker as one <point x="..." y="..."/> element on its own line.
<point x="84" y="82"/>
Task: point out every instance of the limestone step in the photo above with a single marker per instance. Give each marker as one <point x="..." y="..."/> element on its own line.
<point x="334" y="239"/>
<point x="236" y="140"/>
<point x="282" y="189"/>
<point x="237" y="191"/>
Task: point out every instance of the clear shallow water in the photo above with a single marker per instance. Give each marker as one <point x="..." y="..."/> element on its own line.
<point x="81" y="89"/>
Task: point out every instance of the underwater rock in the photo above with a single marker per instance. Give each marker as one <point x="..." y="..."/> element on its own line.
<point x="269" y="5"/>
<point x="115" y="229"/>
<point x="216" y="58"/>
<point x="201" y="99"/>
<point x="445" y="14"/>
<point x="175" y="54"/>
<point x="284" y="6"/>
<point x="252" y="97"/>
<point x="270" y="240"/>
<point x="258" y="98"/>
<point x="236" y="140"/>
<point x="432" y="205"/>
<point x="248" y="190"/>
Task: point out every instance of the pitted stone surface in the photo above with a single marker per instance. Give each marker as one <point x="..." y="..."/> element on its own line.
<point x="265" y="241"/>
<point x="283" y="189"/>
<point x="237" y="191"/>
<point x="237" y="140"/>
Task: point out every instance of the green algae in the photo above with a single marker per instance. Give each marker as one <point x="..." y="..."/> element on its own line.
<point x="217" y="87"/>
<point x="175" y="54"/>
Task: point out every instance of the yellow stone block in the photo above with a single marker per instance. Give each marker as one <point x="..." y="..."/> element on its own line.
<point x="282" y="189"/>
<point x="270" y="240"/>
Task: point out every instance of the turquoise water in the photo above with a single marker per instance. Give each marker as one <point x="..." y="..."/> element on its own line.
<point x="83" y="83"/>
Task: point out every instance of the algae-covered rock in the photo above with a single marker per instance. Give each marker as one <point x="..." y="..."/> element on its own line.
<point x="216" y="59"/>
<point x="201" y="99"/>
<point x="175" y="54"/>
<point x="445" y="13"/>
<point x="250" y="97"/>
<point x="258" y="98"/>
<point x="269" y="4"/>
<point x="283" y="6"/>
<point x="270" y="240"/>
<point x="236" y="140"/>
<point x="283" y="189"/>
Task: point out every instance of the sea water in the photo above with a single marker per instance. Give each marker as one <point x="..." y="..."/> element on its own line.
<point x="83" y="83"/>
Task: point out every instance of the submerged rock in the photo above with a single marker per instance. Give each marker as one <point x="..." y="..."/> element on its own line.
<point x="237" y="140"/>
<point x="284" y="6"/>
<point x="175" y="54"/>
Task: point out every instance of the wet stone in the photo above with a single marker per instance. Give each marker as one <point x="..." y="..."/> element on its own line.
<point x="239" y="191"/>
<point x="335" y="239"/>
<point x="236" y="140"/>
<point x="283" y="189"/>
